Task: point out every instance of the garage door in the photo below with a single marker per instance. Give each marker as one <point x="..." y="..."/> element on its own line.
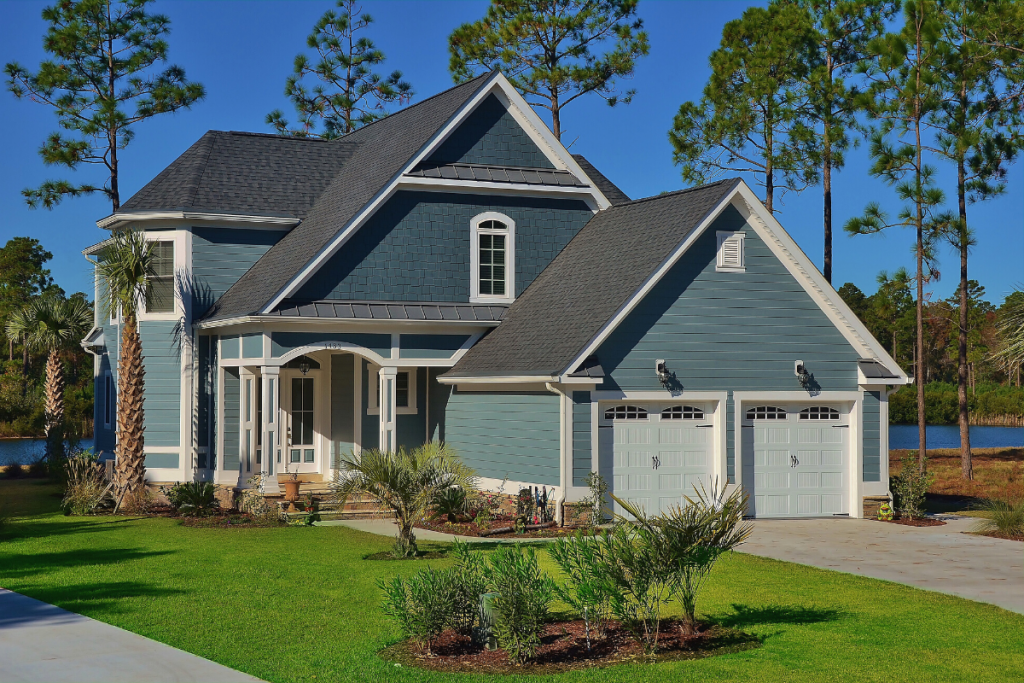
<point x="658" y="453"/>
<point x="795" y="459"/>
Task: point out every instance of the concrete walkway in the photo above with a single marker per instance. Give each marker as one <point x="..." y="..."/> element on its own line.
<point x="386" y="527"/>
<point x="942" y="558"/>
<point x="45" y="644"/>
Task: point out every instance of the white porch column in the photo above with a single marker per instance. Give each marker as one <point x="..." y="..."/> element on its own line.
<point x="271" y="388"/>
<point x="388" y="408"/>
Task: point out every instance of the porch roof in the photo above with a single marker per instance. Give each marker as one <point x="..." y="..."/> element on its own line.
<point x="389" y="310"/>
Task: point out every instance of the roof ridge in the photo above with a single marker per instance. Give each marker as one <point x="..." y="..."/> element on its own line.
<point x="296" y="138"/>
<point x="206" y="164"/>
<point x="675" y="193"/>
<point x="414" y="105"/>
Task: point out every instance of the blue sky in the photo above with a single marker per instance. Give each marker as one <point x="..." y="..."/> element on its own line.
<point x="242" y="52"/>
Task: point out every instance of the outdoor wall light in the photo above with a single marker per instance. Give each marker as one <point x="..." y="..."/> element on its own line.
<point x="661" y="369"/>
<point x="304" y="366"/>
<point x="801" y="373"/>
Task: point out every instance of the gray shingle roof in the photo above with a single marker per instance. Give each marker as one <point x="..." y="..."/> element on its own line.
<point x="607" y="187"/>
<point x="245" y="173"/>
<point x="495" y="174"/>
<point x="389" y="310"/>
<point x="591" y="279"/>
<point x="379" y="151"/>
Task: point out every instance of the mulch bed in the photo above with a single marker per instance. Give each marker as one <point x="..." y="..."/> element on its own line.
<point x="421" y="555"/>
<point x="1005" y="537"/>
<point x="471" y="529"/>
<point x="563" y="648"/>
<point x="927" y="521"/>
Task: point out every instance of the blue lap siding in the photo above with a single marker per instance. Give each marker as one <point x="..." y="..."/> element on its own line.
<point x="491" y="135"/>
<point x="513" y="435"/>
<point x="871" y="434"/>
<point x="222" y="255"/>
<point x="416" y="247"/>
<point x="232" y="414"/>
<point x="730" y="332"/>
<point x="581" y="447"/>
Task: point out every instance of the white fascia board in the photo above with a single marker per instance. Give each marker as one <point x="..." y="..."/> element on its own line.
<point x="648" y="284"/>
<point x="283" y="321"/>
<point x="521" y="111"/>
<point x="556" y="152"/>
<point x="490" y="187"/>
<point x="116" y="220"/>
<point x="495" y="379"/>
<point x="813" y="282"/>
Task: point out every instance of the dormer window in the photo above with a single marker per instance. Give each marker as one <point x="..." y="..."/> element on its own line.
<point x="492" y="260"/>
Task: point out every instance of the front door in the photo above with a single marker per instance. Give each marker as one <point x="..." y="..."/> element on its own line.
<point x="301" y="451"/>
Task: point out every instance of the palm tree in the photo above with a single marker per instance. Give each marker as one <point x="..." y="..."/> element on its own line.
<point x="54" y="324"/>
<point x="404" y="482"/>
<point x="123" y="268"/>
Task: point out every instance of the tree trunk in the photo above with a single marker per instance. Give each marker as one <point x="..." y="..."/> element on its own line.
<point x="919" y="224"/>
<point x="826" y="176"/>
<point x="130" y="471"/>
<point x="966" y="467"/>
<point x="54" y="409"/>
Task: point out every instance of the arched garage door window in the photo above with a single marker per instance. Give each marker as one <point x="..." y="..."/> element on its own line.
<point x="682" y="413"/>
<point x="819" y="413"/>
<point x="766" y="413"/>
<point x="625" y="413"/>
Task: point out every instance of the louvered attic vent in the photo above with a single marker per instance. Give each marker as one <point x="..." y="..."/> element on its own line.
<point x="730" y="252"/>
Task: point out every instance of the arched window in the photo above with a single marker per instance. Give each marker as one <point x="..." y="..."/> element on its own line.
<point x="625" y="413"/>
<point x="492" y="258"/>
<point x="766" y="413"/>
<point x="819" y="413"/>
<point x="682" y="413"/>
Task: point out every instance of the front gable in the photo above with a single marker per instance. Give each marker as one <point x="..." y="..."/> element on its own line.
<point x="491" y="136"/>
<point x="737" y="331"/>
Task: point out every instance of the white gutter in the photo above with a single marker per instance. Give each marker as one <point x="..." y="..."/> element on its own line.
<point x="263" y="319"/>
<point x="116" y="219"/>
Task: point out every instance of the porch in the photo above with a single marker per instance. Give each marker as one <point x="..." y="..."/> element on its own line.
<point x="315" y="398"/>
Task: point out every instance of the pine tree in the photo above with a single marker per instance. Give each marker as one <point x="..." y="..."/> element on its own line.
<point x="841" y="31"/>
<point x="903" y="91"/>
<point x="978" y="130"/>
<point x="547" y="49"/>
<point x="751" y="108"/>
<point x="344" y="62"/>
<point x="100" y="81"/>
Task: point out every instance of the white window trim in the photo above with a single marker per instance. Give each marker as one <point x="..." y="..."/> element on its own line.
<point x="474" y="258"/>
<point x="374" y="383"/>
<point x="182" y="268"/>
<point x="723" y="237"/>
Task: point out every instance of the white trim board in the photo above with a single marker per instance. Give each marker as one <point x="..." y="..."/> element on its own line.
<point x="788" y="253"/>
<point x="495" y="83"/>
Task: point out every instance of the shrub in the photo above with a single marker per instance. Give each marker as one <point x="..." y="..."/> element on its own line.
<point x="524" y="595"/>
<point x="256" y="506"/>
<point x="1006" y="517"/>
<point x="193" y="498"/>
<point x="909" y="487"/>
<point x="38" y="468"/>
<point x="450" y="503"/>
<point x="585" y="589"/>
<point x="84" y="488"/>
<point x="468" y="583"/>
<point x="13" y="471"/>
<point x="137" y="502"/>
<point x="595" y="501"/>
<point x="420" y="605"/>
<point x="525" y="507"/>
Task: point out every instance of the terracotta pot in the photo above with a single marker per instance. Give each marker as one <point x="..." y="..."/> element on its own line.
<point x="291" y="489"/>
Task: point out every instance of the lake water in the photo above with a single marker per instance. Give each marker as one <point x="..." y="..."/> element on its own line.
<point x="948" y="436"/>
<point x="25" y="451"/>
<point x="900" y="436"/>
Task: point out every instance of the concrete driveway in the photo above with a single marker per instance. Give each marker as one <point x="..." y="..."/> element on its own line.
<point x="40" y="642"/>
<point x="943" y="558"/>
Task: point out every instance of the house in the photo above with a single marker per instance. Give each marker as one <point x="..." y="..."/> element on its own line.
<point x="452" y="272"/>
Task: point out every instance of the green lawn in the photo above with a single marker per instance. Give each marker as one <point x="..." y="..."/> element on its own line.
<point x="300" y="604"/>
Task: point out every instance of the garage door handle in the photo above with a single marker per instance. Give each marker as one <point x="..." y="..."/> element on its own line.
<point x="705" y="426"/>
<point x="840" y="426"/>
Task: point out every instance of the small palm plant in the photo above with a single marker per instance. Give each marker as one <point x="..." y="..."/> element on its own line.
<point x="123" y="268"/>
<point x="404" y="482"/>
<point x="53" y="324"/>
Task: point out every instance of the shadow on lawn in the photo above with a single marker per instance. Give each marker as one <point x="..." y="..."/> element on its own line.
<point x="19" y="566"/>
<point x="745" y="615"/>
<point x="93" y="598"/>
<point x="22" y="529"/>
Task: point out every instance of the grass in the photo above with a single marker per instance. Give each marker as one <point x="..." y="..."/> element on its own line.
<point x="301" y="604"/>
<point x="998" y="474"/>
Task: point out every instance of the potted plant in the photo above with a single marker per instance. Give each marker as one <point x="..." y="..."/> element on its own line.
<point x="291" y="483"/>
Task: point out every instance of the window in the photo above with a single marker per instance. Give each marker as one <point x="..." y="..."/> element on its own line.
<point x="819" y="413"/>
<point x="405" y="391"/>
<point x="109" y="400"/>
<point x="302" y="411"/>
<point x="682" y="413"/>
<point x="625" y="413"/>
<point x="160" y="285"/>
<point x="492" y="260"/>
<point x="766" y="413"/>
<point x="730" y="252"/>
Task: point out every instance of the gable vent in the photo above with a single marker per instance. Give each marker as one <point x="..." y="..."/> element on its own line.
<point x="730" y="252"/>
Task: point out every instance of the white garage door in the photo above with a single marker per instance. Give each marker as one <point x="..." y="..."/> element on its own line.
<point x="795" y="459"/>
<point x="658" y="453"/>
